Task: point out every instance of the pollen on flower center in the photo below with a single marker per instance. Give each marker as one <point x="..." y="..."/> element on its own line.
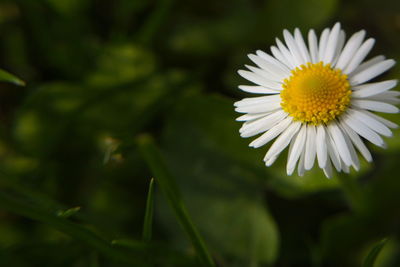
<point x="315" y="93"/>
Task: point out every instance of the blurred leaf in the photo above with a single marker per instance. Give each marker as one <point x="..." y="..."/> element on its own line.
<point x="304" y="14"/>
<point x="373" y="254"/>
<point x="213" y="35"/>
<point x="74" y="230"/>
<point x="255" y="238"/>
<point x="170" y="189"/>
<point x="158" y="253"/>
<point x="8" y="77"/>
<point x="148" y="217"/>
<point x="220" y="172"/>
<point x="68" y="6"/>
<point x="155" y="20"/>
<point x="121" y="63"/>
<point x="68" y="213"/>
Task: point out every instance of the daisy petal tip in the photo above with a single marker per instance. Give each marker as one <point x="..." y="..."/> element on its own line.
<point x="383" y="145"/>
<point x="323" y="165"/>
<point x="308" y="167"/>
<point x="356" y="167"/>
<point x="241" y="73"/>
<point x="252" y="145"/>
<point x="327" y="175"/>
<point x="391" y="63"/>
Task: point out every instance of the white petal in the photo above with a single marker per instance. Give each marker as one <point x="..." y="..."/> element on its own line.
<point x="256" y="89"/>
<point x="359" y="56"/>
<point x="340" y="142"/>
<point x="384" y="121"/>
<point x="371" y="72"/>
<point x="294" y="50"/>
<point x="323" y="41"/>
<point x="363" y="130"/>
<point x="368" y="63"/>
<point x="310" y="148"/>
<point x="371" y="122"/>
<point x="259" y="79"/>
<point x="282" y="67"/>
<point x="374" y="106"/>
<point x="357" y="142"/>
<point x="262" y="124"/>
<point x="270" y="161"/>
<point x="297" y="147"/>
<point x="250" y="117"/>
<point x="265" y="74"/>
<point x="370" y="89"/>
<point x="282" y="141"/>
<point x="279" y="56"/>
<point x="259" y="108"/>
<point x="286" y="53"/>
<point x="328" y="169"/>
<point x="345" y="168"/>
<point x="321" y="146"/>
<point x="258" y="100"/>
<point x="271" y="133"/>
<point x="353" y="154"/>
<point x="339" y="47"/>
<point x="273" y="71"/>
<point x="313" y="46"/>
<point x="301" y="45"/>
<point x="332" y="152"/>
<point x="300" y="168"/>
<point x="331" y="44"/>
<point x="389" y="97"/>
<point x="350" y="49"/>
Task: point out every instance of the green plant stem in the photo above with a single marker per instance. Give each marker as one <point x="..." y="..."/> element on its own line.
<point x="351" y="190"/>
<point x="167" y="184"/>
<point x="148" y="217"/>
<point x="155" y="21"/>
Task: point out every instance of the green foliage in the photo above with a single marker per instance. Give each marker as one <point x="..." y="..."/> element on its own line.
<point x="171" y="191"/>
<point x="373" y="254"/>
<point x="148" y="217"/>
<point x="103" y="76"/>
<point x="8" y="77"/>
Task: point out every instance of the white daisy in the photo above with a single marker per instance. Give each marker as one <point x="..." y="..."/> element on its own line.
<point x="318" y="100"/>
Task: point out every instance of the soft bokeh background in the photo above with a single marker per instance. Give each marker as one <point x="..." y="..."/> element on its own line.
<point x="102" y="73"/>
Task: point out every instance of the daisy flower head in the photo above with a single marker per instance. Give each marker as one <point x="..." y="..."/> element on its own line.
<point x="318" y="100"/>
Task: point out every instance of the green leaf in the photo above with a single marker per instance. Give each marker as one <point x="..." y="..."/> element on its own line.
<point x="240" y="227"/>
<point x="148" y="217"/>
<point x="167" y="184"/>
<point x="303" y="14"/>
<point x="76" y="231"/>
<point x="373" y="254"/>
<point x="68" y="213"/>
<point x="159" y="253"/>
<point x="222" y="181"/>
<point x="8" y="77"/>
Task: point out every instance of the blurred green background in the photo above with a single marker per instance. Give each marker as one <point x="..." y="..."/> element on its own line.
<point x="120" y="91"/>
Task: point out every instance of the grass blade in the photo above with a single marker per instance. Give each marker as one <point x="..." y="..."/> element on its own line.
<point x="167" y="184"/>
<point x="15" y="205"/>
<point x="148" y="217"/>
<point x="373" y="254"/>
<point x="8" y="77"/>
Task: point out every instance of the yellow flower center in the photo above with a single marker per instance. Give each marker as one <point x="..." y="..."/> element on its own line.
<point x="315" y="93"/>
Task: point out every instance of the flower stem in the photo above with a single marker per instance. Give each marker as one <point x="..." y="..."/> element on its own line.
<point x="351" y="190"/>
